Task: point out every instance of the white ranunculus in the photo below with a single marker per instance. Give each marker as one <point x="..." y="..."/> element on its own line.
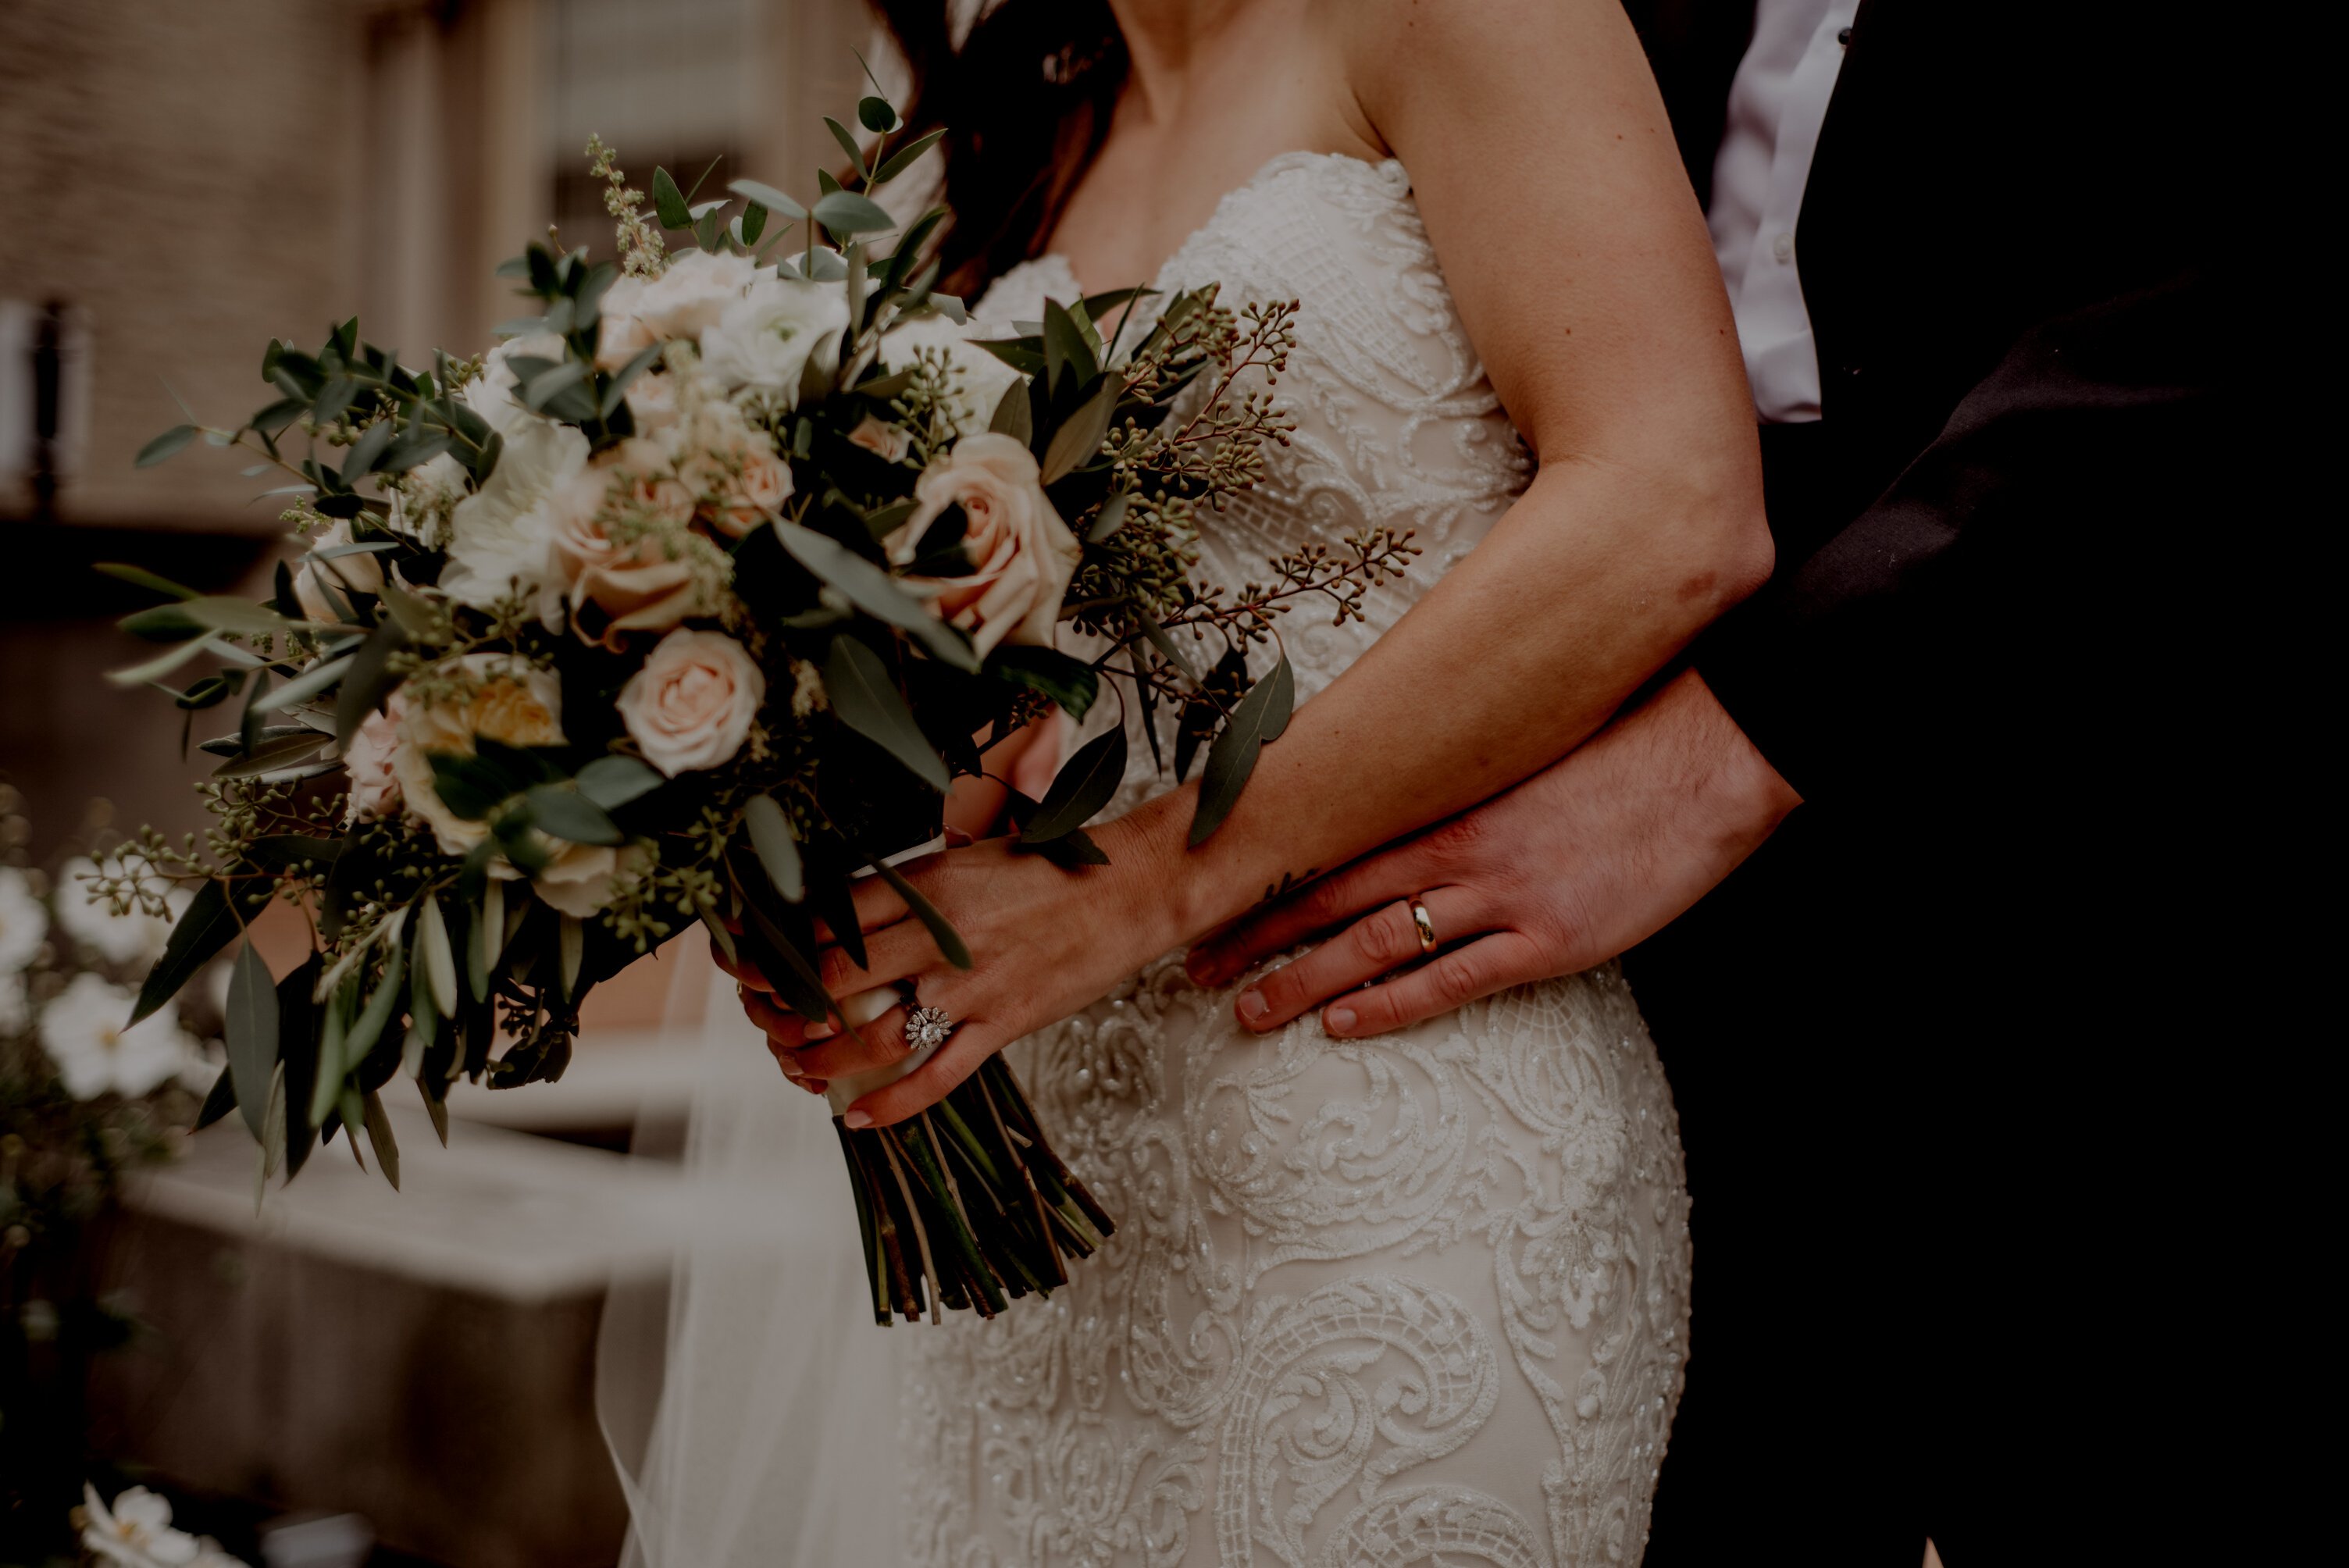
<point x="980" y="379"/>
<point x="136" y="1533"/>
<point x="692" y="703"/>
<point x="513" y="703"/>
<point x="24" y="922"/>
<point x="768" y="338"/>
<point x="491" y="394"/>
<point x="137" y="937"/>
<point x="1021" y="553"/>
<point x="82" y="1030"/>
<point x="685" y="301"/>
<point x="498" y="538"/>
<point x="422" y="501"/>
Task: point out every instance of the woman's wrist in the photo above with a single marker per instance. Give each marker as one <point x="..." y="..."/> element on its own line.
<point x="1159" y="877"/>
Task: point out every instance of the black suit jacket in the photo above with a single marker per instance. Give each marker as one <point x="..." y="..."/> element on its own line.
<point x="2001" y="628"/>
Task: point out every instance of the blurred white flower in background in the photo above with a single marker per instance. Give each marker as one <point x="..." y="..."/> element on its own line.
<point x="136" y="1533"/>
<point x="24" y="922"/>
<point x="83" y="1031"/>
<point x="16" y="1008"/>
<point x="137" y="937"/>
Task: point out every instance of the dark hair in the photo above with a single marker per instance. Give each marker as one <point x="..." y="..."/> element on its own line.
<point x="1026" y="102"/>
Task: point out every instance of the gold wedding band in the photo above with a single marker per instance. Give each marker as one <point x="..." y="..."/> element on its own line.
<point x="1426" y="927"/>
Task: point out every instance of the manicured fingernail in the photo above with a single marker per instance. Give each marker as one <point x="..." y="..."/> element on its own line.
<point x="818" y="1032"/>
<point x="858" y="1118"/>
<point x="1339" y="1020"/>
<point x="1200" y="965"/>
<point x="813" y="1086"/>
<point x="1251" y="1006"/>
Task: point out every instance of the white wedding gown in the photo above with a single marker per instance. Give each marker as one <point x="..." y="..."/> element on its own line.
<point x="1416" y="1300"/>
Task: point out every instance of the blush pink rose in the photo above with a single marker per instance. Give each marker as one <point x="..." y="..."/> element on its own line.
<point x="1021" y="553"/>
<point x="691" y="705"/>
<point x="375" y="782"/>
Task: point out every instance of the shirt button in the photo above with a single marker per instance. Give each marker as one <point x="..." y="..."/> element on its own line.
<point x="1782" y="247"/>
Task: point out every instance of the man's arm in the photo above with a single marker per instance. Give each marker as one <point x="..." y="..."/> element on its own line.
<point x="2059" y="493"/>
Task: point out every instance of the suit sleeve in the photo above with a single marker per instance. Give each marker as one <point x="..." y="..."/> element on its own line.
<point x="2059" y="524"/>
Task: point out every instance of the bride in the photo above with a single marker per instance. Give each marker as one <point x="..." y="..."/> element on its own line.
<point x="1395" y="1301"/>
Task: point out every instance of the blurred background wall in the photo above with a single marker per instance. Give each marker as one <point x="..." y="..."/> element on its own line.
<point x="185" y="181"/>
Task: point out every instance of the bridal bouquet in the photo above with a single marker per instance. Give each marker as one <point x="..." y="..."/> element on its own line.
<point x="686" y="603"/>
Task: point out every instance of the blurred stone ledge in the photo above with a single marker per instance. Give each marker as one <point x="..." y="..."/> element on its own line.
<point x="424" y="1358"/>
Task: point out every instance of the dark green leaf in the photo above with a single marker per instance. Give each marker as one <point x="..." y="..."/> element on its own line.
<point x="1078" y="441"/>
<point x="847" y="140"/>
<point x="669" y="201"/>
<point x="251" y="1032"/>
<point x="1070" y="682"/>
<point x="833" y="899"/>
<point x="949" y="940"/>
<point x="902" y="159"/>
<point x="219" y="1101"/>
<point x="369" y="450"/>
<point x="282" y="755"/>
<point x="771" y="951"/>
<point x="846" y="212"/>
<point x="875" y="115"/>
<point x="768" y="197"/>
<point x="204" y="927"/>
<point x="468" y="786"/>
<point x="378" y="1131"/>
<point x="1225" y="682"/>
<point x="870" y="589"/>
<point x="613" y="781"/>
<point x="778" y="847"/>
<point x="140" y="577"/>
<point x="1073" y="848"/>
<point x="1083" y="787"/>
<point x="867" y="702"/>
<point x="1110" y="518"/>
<point x="1013" y="417"/>
<point x="1158" y="638"/>
<point x="568" y="814"/>
<point x="164" y="444"/>
<point x="1067" y="350"/>
<point x="617" y="389"/>
<point x="1260" y="716"/>
<point x="368" y="681"/>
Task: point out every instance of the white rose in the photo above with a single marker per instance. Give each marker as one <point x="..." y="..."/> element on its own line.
<point x="1024" y="555"/>
<point x="498" y="538"/>
<point x="357" y="572"/>
<point x="24" y="920"/>
<point x="979" y="379"/>
<point x="768" y="338"/>
<point x="375" y="781"/>
<point x="581" y="880"/>
<point x="685" y="301"/>
<point x="491" y="394"/>
<point x="136" y="937"/>
<point x="692" y="703"/>
<point x="511" y="702"/>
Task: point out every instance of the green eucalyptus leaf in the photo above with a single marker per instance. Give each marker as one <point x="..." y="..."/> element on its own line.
<point x="1083" y="787"/>
<point x="568" y="814"/>
<point x="251" y="1030"/>
<point x="203" y="928"/>
<point x="667" y="200"/>
<point x="778" y="847"/>
<point x="140" y="576"/>
<point x="1260" y="716"/>
<point x="613" y="781"/>
<point x="768" y="197"/>
<point x="866" y="700"/>
<point x="1069" y="681"/>
<point x="846" y="212"/>
<point x="951" y="943"/>
<point x="847" y="140"/>
<point x="165" y="444"/>
<point x="871" y="589"/>
<point x="875" y="115"/>
<point x="902" y="159"/>
<point x="1078" y="441"/>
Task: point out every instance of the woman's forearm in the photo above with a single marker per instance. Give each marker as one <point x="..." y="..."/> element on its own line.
<point x="1592" y="581"/>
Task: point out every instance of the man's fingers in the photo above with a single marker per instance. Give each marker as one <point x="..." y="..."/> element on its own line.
<point x="1452" y="979"/>
<point x="1317" y="907"/>
<point x="1385" y="939"/>
<point x="929" y="1083"/>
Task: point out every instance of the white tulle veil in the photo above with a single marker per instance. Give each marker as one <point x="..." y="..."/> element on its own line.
<point x="750" y="1399"/>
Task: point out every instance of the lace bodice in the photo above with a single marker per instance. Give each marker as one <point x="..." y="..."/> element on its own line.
<point x="1396" y="424"/>
<point x="1416" y="1300"/>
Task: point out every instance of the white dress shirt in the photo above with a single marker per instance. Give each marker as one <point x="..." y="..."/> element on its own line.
<point x="1777" y="105"/>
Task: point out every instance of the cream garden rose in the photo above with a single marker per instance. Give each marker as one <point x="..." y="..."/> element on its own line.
<point x="620" y="555"/>
<point x="691" y="705"/>
<point x="510" y="702"/>
<point x="1022" y="553"/>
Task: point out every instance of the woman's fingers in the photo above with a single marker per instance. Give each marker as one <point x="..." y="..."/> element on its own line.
<point x="1306" y="914"/>
<point x="877" y="903"/>
<point x="785" y="1030"/>
<point x="1452" y="979"/>
<point x="1383" y="940"/>
<point x="929" y="1083"/>
<point x="744" y="972"/>
<point x="894" y="952"/>
<point x="869" y="1046"/>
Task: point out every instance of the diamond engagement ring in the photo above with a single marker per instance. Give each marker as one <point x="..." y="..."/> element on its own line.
<point x="927" y="1028"/>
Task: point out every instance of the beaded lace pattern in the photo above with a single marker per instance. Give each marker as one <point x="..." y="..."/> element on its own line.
<point x="1416" y="1300"/>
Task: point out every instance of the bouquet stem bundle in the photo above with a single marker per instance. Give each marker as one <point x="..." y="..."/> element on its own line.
<point x="966" y="1206"/>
